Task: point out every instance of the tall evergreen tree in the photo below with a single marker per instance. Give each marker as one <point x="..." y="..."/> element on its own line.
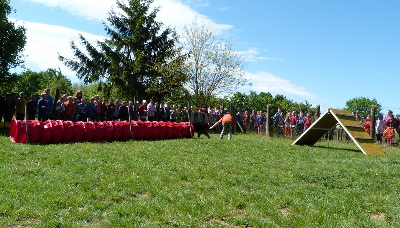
<point x="139" y="58"/>
<point x="12" y="42"/>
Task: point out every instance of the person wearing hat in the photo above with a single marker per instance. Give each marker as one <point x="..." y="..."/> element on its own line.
<point x="20" y="107"/>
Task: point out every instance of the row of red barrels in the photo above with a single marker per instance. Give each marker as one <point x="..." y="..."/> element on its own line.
<point x="57" y="131"/>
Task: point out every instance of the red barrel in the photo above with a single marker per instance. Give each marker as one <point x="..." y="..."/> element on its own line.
<point x="69" y="131"/>
<point x="79" y="129"/>
<point x="126" y="130"/>
<point x="58" y="131"/>
<point x="90" y="131"/>
<point x="100" y="131"/>
<point x="142" y="128"/>
<point x="47" y="132"/>
<point x="109" y="131"/>
<point x="18" y="131"/>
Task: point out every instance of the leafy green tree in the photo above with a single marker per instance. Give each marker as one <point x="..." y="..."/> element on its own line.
<point x="12" y="42"/>
<point x="362" y="106"/>
<point x="213" y="67"/>
<point x="139" y="59"/>
<point x="31" y="82"/>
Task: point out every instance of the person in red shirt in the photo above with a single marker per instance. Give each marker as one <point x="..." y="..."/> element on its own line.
<point x="227" y="123"/>
<point x="367" y="124"/>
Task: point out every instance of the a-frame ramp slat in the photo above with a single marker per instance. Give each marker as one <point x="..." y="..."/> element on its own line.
<point x="349" y="124"/>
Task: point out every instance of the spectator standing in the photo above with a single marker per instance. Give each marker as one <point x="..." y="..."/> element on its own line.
<point x="32" y="107"/>
<point x="91" y="110"/>
<point x="276" y="118"/>
<point x="49" y="102"/>
<point x="253" y="120"/>
<point x="20" y="107"/>
<point x="367" y="124"/>
<point x="77" y="101"/>
<point x="78" y="95"/>
<point x="110" y="107"/>
<point x="300" y="123"/>
<point x="281" y="123"/>
<point x="246" y="120"/>
<point x="307" y="121"/>
<point x="167" y="109"/>
<point x="173" y="114"/>
<point x="293" y="120"/>
<point x="60" y="109"/>
<point x="151" y="111"/>
<point x="287" y="125"/>
<point x="135" y="114"/>
<point x="43" y="106"/>
<point x="379" y="126"/>
<point x="143" y="111"/>
<point x="11" y="102"/>
<point x="123" y="114"/>
<point x="116" y="109"/>
<point x="82" y="110"/>
<point x="69" y="109"/>
<point x="260" y="122"/>
<point x="389" y="133"/>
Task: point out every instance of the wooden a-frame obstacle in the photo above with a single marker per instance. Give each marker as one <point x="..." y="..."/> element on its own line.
<point x="349" y="124"/>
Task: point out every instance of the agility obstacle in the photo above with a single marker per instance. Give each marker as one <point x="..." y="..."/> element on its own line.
<point x="353" y="129"/>
<point x="57" y="131"/>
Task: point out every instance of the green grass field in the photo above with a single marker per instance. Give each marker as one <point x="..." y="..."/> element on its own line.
<point x="250" y="181"/>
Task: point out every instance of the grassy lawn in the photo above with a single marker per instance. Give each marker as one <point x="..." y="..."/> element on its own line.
<point x="250" y="181"/>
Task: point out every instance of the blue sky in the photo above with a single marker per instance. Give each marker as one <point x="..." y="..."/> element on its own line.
<point x="325" y="52"/>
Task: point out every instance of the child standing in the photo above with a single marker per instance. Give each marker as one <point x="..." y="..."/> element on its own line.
<point x="307" y="121"/>
<point x="367" y="124"/>
<point x="379" y="129"/>
<point x="260" y="122"/>
<point x="293" y="119"/>
<point x="287" y="125"/>
<point x="391" y="124"/>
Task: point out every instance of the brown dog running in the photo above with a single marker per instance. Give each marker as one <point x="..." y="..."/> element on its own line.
<point x="201" y="128"/>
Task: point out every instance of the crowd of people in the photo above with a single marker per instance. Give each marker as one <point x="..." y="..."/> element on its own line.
<point x="288" y="125"/>
<point x="78" y="108"/>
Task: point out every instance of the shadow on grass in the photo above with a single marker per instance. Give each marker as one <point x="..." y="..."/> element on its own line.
<point x="338" y="148"/>
<point x="4" y="132"/>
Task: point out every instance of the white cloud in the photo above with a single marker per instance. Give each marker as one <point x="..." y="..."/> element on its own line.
<point x="87" y="9"/>
<point x="172" y="13"/>
<point x="44" y="42"/>
<point x="253" y="55"/>
<point x="267" y="82"/>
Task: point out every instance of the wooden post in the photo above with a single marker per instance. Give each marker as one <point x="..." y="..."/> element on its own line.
<point x="317" y="112"/>
<point x="372" y="132"/>
<point x="267" y="121"/>
<point x="27" y="124"/>
<point x="189" y="117"/>
<point x="129" y="118"/>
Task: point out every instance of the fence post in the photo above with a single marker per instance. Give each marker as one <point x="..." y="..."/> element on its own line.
<point x="189" y="117"/>
<point x="372" y="128"/>
<point x="317" y="112"/>
<point x="267" y="121"/>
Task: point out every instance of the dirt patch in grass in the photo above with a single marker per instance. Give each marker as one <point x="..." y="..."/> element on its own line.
<point x="141" y="196"/>
<point x="377" y="216"/>
<point x="285" y="211"/>
<point x="216" y="220"/>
